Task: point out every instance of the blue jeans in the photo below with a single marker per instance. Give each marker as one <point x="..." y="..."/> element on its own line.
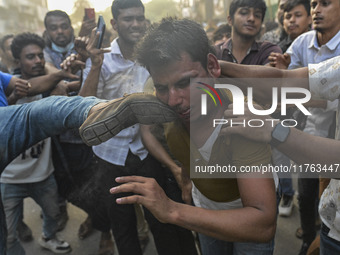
<point x="328" y="245"/>
<point x="22" y="126"/>
<point x="44" y="193"/>
<point x="212" y="246"/>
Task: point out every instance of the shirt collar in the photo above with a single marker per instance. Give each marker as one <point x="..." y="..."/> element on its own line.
<point x="331" y="44"/>
<point x="229" y="46"/>
<point x="115" y="50"/>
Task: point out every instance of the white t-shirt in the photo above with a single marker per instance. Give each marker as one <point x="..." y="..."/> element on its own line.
<point x="34" y="164"/>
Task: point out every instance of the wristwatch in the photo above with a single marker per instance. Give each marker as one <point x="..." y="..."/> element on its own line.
<point x="279" y="134"/>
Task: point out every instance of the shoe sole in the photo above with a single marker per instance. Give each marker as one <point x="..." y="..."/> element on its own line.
<point x="143" y="110"/>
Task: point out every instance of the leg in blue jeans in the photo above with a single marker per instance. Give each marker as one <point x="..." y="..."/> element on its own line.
<point x="22" y="126"/>
<point x="328" y="245"/>
<point x="45" y="194"/>
<point x="212" y="246"/>
<point x="12" y="196"/>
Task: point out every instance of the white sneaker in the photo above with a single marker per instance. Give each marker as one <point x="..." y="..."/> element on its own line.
<point x="55" y="244"/>
<point x="286" y="206"/>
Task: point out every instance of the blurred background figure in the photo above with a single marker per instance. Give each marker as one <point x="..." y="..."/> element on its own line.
<point x="8" y="64"/>
<point x="221" y="34"/>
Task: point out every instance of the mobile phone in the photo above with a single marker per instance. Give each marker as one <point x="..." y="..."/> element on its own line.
<point x="89" y="13"/>
<point x="101" y="29"/>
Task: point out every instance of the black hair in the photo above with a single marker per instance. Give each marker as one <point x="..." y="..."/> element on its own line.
<point x="4" y="39"/>
<point x="58" y="13"/>
<point x="124" y="4"/>
<point x="22" y="40"/>
<point x="223" y="29"/>
<point x="291" y="4"/>
<point x="167" y="40"/>
<point x="258" y="4"/>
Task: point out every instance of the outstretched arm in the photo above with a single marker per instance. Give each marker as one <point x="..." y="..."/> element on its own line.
<point x="299" y="146"/>
<point x="255" y="222"/>
<point x="250" y="75"/>
<point x="19" y="88"/>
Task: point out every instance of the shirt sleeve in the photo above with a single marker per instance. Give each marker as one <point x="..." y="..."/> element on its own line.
<point x="324" y="79"/>
<point x="294" y="52"/>
<point x="47" y="57"/>
<point x="5" y="79"/>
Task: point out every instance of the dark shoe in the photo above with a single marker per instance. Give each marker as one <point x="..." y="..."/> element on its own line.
<point x="112" y="117"/>
<point x="62" y="218"/>
<point x="304" y="249"/>
<point x="85" y="228"/>
<point x="106" y="245"/>
<point x="24" y="232"/>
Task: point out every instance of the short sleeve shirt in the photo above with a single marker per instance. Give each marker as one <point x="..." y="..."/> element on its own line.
<point x="257" y="55"/>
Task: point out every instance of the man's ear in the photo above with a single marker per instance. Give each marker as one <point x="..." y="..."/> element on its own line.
<point x="113" y="24"/>
<point x="230" y="21"/>
<point x="213" y="66"/>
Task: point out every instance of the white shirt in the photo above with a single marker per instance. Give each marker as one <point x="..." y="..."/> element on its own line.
<point x="305" y="50"/>
<point x="324" y="83"/>
<point x="119" y="76"/>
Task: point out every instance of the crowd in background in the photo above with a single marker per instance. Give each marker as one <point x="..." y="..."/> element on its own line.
<point x="62" y="169"/>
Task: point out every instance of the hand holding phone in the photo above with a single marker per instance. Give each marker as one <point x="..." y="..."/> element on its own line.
<point x="101" y="29"/>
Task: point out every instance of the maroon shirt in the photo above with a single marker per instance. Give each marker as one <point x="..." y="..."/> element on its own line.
<point x="257" y="54"/>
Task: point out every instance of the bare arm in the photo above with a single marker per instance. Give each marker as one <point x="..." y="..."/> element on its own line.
<point x="249" y="75"/>
<point x="299" y="146"/>
<point x="255" y="222"/>
<point x="46" y="82"/>
<point x="19" y="88"/>
<point x="156" y="149"/>
<point x="90" y="85"/>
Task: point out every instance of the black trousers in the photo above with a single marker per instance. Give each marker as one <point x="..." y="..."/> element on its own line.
<point x="308" y="206"/>
<point x="169" y="239"/>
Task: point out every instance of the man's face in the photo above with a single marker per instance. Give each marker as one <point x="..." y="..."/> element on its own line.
<point x="246" y="22"/>
<point x="325" y="15"/>
<point x="32" y="61"/>
<point x="172" y="83"/>
<point x="130" y="24"/>
<point x="280" y="10"/>
<point x="59" y="30"/>
<point x="296" y="21"/>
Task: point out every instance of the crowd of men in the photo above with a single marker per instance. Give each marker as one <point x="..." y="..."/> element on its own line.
<point x="76" y="128"/>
